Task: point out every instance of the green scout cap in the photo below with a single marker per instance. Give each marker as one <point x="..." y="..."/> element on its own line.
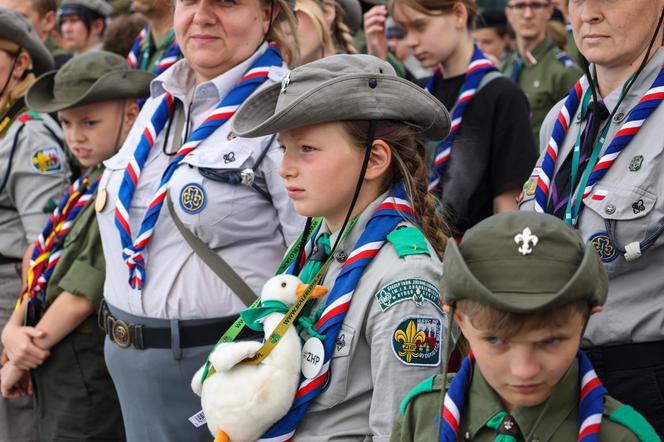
<point x="15" y="28"/>
<point x="89" y="78"/>
<point x="523" y="262"/>
<point x="338" y="88"/>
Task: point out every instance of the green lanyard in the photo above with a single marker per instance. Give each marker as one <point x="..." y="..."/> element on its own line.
<point x="574" y="203"/>
<point x="145" y="55"/>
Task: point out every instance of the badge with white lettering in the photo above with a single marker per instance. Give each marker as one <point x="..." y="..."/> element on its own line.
<point x="193" y="198"/>
<point x="414" y="289"/>
<point x="47" y="160"/>
<point x="417" y="341"/>
<point x="313" y="355"/>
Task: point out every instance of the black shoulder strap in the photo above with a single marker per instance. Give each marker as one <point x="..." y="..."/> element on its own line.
<point x="6" y="121"/>
<point x="11" y="115"/>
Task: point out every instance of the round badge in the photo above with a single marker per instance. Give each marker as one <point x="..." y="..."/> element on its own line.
<point x="100" y="200"/>
<point x="313" y="355"/>
<point x="603" y="246"/>
<point x="193" y="198"/>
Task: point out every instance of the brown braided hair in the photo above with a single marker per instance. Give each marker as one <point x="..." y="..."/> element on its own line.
<point x="409" y="167"/>
<point x="342" y="36"/>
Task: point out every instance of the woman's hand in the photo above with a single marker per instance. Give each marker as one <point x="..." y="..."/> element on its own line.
<point x="374" y="29"/>
<point x="14" y="382"/>
<point x="20" y="349"/>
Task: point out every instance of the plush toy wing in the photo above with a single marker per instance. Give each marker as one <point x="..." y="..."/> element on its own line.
<point x="228" y="355"/>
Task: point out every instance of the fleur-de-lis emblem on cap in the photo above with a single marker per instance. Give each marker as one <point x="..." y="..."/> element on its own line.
<point x="527" y="238"/>
<point x="285" y="82"/>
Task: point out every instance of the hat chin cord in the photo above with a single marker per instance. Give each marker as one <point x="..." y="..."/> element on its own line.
<point x="119" y="134"/>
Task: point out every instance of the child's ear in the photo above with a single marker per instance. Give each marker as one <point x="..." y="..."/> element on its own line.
<point x="595" y="309"/>
<point x="379" y="160"/>
<point x="130" y="114"/>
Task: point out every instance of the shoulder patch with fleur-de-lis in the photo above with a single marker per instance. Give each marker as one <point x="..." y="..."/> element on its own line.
<point x="417" y="340"/>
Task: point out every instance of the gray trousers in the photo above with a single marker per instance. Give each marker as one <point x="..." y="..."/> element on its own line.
<point x="17" y="417"/>
<point x="154" y="389"/>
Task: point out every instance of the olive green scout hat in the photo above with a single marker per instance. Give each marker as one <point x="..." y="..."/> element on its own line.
<point x="89" y="78"/>
<point x="338" y="88"/>
<point x="523" y="262"/>
<point x="15" y="28"/>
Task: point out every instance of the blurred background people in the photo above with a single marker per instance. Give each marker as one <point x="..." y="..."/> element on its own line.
<point x="82" y="24"/>
<point x="492" y="35"/>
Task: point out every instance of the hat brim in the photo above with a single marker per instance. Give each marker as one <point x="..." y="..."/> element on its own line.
<point x="116" y="85"/>
<point x="42" y="60"/>
<point x="459" y="282"/>
<point x="343" y="99"/>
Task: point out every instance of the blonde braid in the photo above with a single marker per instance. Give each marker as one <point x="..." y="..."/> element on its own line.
<point x="342" y="34"/>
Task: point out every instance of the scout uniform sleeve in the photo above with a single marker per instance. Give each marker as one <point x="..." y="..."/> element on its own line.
<point x="404" y="326"/>
<point x="418" y="413"/>
<point x="291" y="223"/>
<point x="85" y="276"/>
<point x="567" y="78"/>
<point x="39" y="177"/>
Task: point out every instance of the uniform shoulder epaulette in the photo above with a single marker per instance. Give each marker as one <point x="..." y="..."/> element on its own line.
<point x="565" y="59"/>
<point x="408" y="240"/>
<point x="29" y="116"/>
<point x="631" y="419"/>
<point x="429" y="385"/>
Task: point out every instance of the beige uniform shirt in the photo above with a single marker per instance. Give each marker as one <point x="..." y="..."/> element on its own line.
<point x="628" y="200"/>
<point x="247" y="230"/>
<point x="37" y="180"/>
<point x="369" y="378"/>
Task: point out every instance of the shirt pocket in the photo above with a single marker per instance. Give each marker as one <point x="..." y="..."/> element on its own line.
<point x="339" y="370"/>
<point x="623" y="217"/>
<point x="206" y="200"/>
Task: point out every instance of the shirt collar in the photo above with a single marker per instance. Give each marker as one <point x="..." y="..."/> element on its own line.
<point x="483" y="404"/>
<point x="533" y="57"/>
<point x="180" y="81"/>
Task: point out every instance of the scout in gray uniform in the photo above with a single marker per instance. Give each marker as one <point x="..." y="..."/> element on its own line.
<point x="390" y="337"/>
<point x="522" y="381"/>
<point x="33" y="175"/>
<point x="619" y="210"/>
<point x="82" y="24"/>
<point x="94" y="96"/>
<point x="541" y="70"/>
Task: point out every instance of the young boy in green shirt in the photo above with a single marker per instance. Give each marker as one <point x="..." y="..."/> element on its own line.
<point x="52" y="339"/>
<point x="521" y="287"/>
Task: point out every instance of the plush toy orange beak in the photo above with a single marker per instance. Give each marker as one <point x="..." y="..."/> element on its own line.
<point x="317" y="291"/>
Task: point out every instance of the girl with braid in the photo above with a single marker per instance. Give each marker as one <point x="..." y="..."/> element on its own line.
<point x="373" y="238"/>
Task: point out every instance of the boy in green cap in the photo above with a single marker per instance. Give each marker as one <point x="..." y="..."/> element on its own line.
<point x="52" y="335"/>
<point x="525" y="378"/>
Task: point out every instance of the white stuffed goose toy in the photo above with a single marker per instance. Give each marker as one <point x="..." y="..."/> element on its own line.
<point x="242" y="401"/>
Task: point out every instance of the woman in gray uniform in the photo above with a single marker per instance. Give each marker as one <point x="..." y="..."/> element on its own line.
<point x="33" y="177"/>
<point x="601" y="171"/>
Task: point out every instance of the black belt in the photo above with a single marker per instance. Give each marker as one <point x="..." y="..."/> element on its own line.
<point x="626" y="356"/>
<point x="9" y="260"/>
<point x="141" y="337"/>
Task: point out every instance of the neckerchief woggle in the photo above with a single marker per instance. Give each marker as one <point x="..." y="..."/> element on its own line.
<point x="392" y="211"/>
<point x="639" y="114"/>
<point x="132" y="249"/>
<point x="479" y="66"/>
<point x="591" y="401"/>
<point x="137" y="55"/>
<point x="49" y="243"/>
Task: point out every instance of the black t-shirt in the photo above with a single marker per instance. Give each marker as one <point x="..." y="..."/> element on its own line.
<point x="493" y="152"/>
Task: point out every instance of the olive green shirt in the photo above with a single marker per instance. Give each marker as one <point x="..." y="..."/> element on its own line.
<point x="157" y="50"/>
<point x="555" y="420"/>
<point x="81" y="268"/>
<point x="545" y="76"/>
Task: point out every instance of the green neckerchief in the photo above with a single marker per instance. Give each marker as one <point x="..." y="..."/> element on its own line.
<point x="496" y="422"/>
<point x="574" y="203"/>
<point x="253" y="317"/>
<point x="314" y="264"/>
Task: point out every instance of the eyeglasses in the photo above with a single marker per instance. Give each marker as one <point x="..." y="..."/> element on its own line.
<point x="535" y="6"/>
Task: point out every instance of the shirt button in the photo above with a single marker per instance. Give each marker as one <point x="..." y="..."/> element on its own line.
<point x="341" y="256"/>
<point x="619" y="117"/>
<point x="610" y="209"/>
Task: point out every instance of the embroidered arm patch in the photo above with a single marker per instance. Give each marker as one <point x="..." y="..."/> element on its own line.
<point x="416" y="341"/>
<point x="415" y="290"/>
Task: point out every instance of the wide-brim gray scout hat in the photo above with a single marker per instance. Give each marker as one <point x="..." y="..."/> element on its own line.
<point x="523" y="262"/>
<point x="101" y="7"/>
<point x="339" y="88"/>
<point x="89" y="78"/>
<point x="15" y="28"/>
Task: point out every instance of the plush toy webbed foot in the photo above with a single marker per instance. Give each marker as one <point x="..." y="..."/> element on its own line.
<point x="222" y="437"/>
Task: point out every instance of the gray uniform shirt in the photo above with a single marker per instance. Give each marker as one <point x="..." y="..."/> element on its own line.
<point x="368" y="377"/>
<point x="39" y="173"/>
<point x="629" y="197"/>
<point x="249" y="232"/>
